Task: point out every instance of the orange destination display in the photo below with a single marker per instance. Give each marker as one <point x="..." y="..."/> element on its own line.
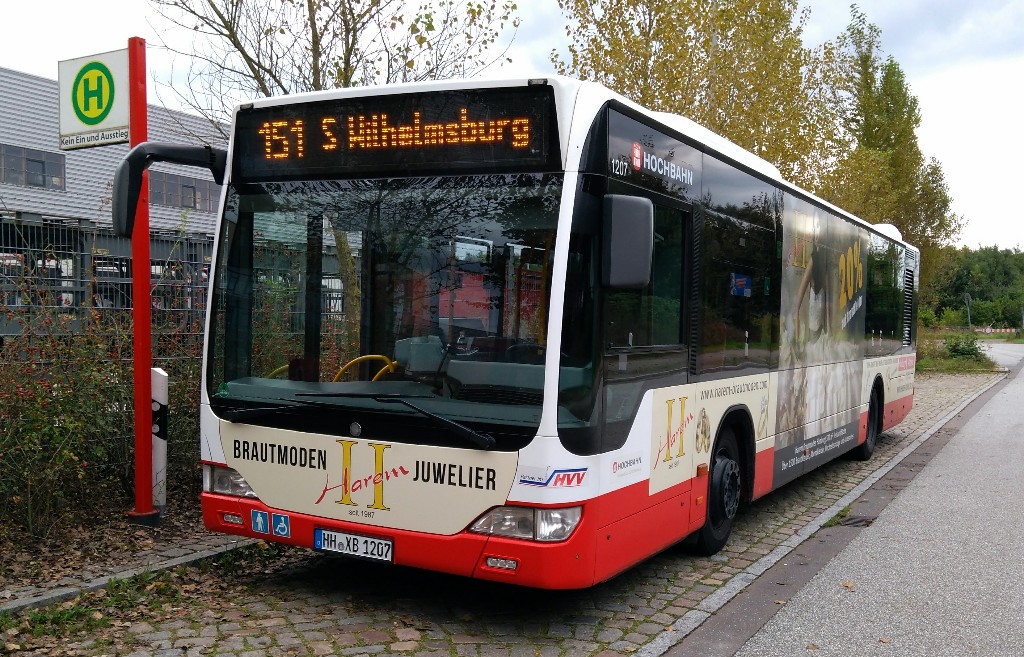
<point x="506" y="129"/>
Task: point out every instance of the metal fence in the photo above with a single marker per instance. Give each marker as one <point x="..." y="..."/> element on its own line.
<point x="65" y="359"/>
<point x="75" y="272"/>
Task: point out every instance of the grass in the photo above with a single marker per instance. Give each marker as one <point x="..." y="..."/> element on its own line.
<point x="56" y="620"/>
<point x="950" y="353"/>
<point x="119" y="600"/>
<point x="837" y="518"/>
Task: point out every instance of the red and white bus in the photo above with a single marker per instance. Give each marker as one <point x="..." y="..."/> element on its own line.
<point x="525" y="330"/>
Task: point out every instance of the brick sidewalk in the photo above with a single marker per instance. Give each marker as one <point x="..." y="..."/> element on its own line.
<point x="167" y="551"/>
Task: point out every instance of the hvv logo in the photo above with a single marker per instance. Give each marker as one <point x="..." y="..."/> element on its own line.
<point x="554" y="479"/>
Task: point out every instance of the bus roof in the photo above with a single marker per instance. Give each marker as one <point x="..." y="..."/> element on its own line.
<point x="569" y="92"/>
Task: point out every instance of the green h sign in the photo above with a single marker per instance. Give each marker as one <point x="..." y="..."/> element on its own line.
<point x="92" y="93"/>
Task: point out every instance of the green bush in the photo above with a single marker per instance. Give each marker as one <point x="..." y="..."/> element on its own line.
<point x="67" y="413"/>
<point x="953" y="317"/>
<point x="963" y="345"/>
<point x="65" y="418"/>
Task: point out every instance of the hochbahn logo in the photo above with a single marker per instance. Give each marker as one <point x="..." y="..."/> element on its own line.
<point x="659" y="166"/>
<point x="92" y="93"/>
<point x="638" y="156"/>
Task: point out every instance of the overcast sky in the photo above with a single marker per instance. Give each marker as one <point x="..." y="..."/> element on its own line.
<point x="963" y="60"/>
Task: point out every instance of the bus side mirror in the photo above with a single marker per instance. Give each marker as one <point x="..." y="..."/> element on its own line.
<point x="128" y="177"/>
<point x="627" y="242"/>
<point x="127" y="188"/>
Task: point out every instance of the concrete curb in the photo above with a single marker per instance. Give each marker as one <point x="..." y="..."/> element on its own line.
<point x="694" y="619"/>
<point x="52" y="596"/>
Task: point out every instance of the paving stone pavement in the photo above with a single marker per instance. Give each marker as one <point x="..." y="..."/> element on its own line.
<point x="320" y="605"/>
<point x="168" y="551"/>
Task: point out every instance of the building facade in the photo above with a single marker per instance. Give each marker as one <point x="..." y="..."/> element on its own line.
<point x="57" y="247"/>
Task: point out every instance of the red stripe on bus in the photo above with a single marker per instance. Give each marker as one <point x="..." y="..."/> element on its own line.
<point x="896" y="411"/>
<point x="764" y="471"/>
<point x="604" y="544"/>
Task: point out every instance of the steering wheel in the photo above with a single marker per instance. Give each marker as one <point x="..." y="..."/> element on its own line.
<point x="528" y="353"/>
<point x="388" y="367"/>
<point x="525" y="353"/>
<point x="278" y="371"/>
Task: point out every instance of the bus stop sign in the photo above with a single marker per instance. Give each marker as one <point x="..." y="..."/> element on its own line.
<point x="93" y="100"/>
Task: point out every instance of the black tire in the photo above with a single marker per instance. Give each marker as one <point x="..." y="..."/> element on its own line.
<point x="725" y="488"/>
<point x="864" y="451"/>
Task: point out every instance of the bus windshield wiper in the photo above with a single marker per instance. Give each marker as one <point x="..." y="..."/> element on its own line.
<point x="240" y="413"/>
<point x="286" y="405"/>
<point x="482" y="440"/>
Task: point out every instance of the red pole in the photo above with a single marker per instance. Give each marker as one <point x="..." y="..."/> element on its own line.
<point x="138" y="132"/>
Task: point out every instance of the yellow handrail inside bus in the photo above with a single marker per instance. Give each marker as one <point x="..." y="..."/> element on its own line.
<point x="388" y="367"/>
<point x="280" y="370"/>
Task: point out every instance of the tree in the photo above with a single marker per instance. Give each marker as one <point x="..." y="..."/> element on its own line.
<point x="883" y="176"/>
<point x="249" y="48"/>
<point x="993" y="277"/>
<point x="736" y="66"/>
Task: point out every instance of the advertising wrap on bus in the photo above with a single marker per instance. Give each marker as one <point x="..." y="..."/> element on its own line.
<point x="377" y="483"/>
<point x="682" y="431"/>
<point x="822" y="348"/>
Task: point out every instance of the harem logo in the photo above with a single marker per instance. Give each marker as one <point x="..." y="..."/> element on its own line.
<point x="673" y="434"/>
<point x="375" y="481"/>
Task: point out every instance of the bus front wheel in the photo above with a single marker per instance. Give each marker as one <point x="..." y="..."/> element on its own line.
<point x="724" y="490"/>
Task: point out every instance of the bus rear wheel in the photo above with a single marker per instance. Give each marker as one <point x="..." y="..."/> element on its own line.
<point x="724" y="491"/>
<point x="864" y="451"/>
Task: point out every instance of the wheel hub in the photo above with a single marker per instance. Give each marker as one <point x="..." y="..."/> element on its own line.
<point x="727" y="487"/>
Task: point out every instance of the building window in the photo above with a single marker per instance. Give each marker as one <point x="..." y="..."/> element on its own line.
<point x="183" y="192"/>
<point x="35" y="173"/>
<point x="31" y="168"/>
<point x="188" y="196"/>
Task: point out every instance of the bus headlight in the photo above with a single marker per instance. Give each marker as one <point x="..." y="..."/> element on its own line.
<point x="557" y="524"/>
<point x="547" y="525"/>
<point x="225" y="481"/>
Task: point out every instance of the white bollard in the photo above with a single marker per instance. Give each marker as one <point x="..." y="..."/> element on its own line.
<point x="160" y="400"/>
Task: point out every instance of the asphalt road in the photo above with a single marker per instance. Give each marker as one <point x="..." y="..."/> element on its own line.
<point x="939" y="572"/>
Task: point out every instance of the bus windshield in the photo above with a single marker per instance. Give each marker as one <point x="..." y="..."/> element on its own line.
<point x="349" y="294"/>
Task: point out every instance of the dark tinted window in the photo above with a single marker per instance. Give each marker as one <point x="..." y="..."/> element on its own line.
<point x="884" y="318"/>
<point x="738" y="222"/>
<point x="652" y="316"/>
